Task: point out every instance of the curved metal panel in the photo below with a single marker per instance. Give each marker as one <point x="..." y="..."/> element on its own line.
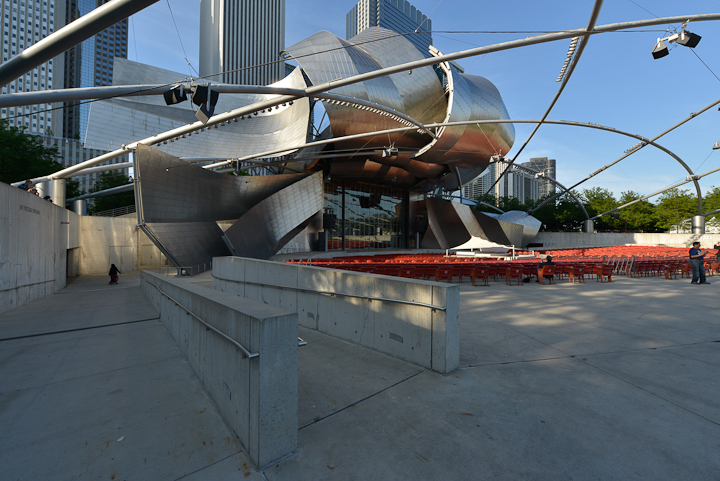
<point x="531" y="225"/>
<point x="189" y="244"/>
<point x="421" y="90"/>
<point x="172" y="190"/>
<point x="471" y="146"/>
<point x="268" y="226"/>
<point x="121" y="121"/>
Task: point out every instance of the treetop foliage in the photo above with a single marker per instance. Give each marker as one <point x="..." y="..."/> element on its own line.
<point x="563" y="214"/>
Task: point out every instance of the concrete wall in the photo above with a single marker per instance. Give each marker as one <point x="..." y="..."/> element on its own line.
<point x="116" y="240"/>
<point x="258" y="397"/>
<point x="34" y="238"/>
<point x="41" y="244"/>
<point x="426" y="337"/>
<point x="580" y="239"/>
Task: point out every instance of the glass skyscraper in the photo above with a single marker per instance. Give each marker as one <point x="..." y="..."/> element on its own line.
<point x="24" y="23"/>
<point x="90" y="64"/>
<point x="397" y="15"/>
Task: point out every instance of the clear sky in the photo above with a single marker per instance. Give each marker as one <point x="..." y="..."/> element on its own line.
<point x="616" y="83"/>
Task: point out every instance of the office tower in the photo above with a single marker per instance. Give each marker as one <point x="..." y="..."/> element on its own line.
<point x="241" y="40"/>
<point x="24" y="23"/>
<point x="546" y="166"/>
<point x="90" y="63"/>
<point x="397" y="15"/>
<point x="516" y="183"/>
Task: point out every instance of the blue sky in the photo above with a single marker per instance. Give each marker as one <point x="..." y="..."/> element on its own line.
<point x="617" y="83"/>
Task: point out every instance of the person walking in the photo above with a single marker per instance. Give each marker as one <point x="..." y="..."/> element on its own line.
<point x="697" y="262"/>
<point x="114" y="274"/>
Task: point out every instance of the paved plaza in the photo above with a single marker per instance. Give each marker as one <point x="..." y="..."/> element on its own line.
<point x="568" y="381"/>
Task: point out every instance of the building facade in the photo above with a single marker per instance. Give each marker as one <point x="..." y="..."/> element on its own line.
<point x="24" y="23"/>
<point x="547" y="167"/>
<point x="89" y="64"/>
<point x="397" y="15"/>
<point x="71" y="152"/>
<point x="241" y="40"/>
<point x="516" y="183"/>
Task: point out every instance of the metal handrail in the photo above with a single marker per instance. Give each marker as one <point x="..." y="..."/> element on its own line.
<point x="116" y="212"/>
<point x="328" y="293"/>
<point x="242" y="348"/>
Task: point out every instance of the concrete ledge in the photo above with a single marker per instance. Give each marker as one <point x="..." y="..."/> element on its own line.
<point x="601" y="239"/>
<point x="419" y="334"/>
<point x="256" y="396"/>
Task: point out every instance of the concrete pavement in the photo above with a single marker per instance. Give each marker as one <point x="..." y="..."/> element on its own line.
<point x="594" y="381"/>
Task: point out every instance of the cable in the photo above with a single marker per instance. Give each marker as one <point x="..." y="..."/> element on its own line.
<point x="181" y="42"/>
<point x="703" y="62"/>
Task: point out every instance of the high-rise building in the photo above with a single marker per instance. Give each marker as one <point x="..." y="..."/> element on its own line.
<point x="90" y="63"/>
<point x="241" y="41"/>
<point x="397" y="15"/>
<point x="24" y="23"/>
<point x="516" y="183"/>
<point x="547" y="167"/>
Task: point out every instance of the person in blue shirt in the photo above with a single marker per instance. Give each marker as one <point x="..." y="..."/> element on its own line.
<point x="697" y="262"/>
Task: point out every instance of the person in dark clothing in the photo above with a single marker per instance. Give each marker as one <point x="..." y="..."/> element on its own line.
<point x="547" y="262"/>
<point x="27" y="185"/>
<point x="697" y="262"/>
<point x="114" y="271"/>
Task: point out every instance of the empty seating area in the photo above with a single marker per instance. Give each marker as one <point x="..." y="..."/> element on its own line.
<point x="571" y="265"/>
<point x="441" y="268"/>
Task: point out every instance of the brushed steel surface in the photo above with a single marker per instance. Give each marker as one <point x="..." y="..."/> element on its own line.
<point x="531" y="225"/>
<point x="452" y="224"/>
<point x="268" y="226"/>
<point x="470" y="146"/>
<point x="174" y="191"/>
<point x="113" y="123"/>
<point x="190" y="243"/>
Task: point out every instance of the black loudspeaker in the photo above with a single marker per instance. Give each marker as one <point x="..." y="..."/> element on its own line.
<point x="329" y="220"/>
<point x="175" y="96"/>
<point x="204" y="113"/>
<point x="660" y="50"/>
<point x="202" y="92"/>
<point x="689" y="39"/>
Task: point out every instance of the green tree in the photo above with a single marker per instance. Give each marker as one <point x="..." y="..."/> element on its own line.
<point x="599" y="200"/>
<point x="639" y="217"/>
<point x="108" y="180"/>
<point x="569" y="216"/>
<point x="711" y="199"/>
<point x="23" y="156"/>
<point x="674" y="206"/>
<point x="72" y="189"/>
<point x="546" y="215"/>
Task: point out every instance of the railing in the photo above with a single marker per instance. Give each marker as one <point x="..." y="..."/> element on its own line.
<point x="246" y="353"/>
<point x="182" y="271"/>
<point x="117" y="212"/>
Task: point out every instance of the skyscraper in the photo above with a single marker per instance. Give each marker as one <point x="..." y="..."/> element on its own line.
<point x="516" y="183"/>
<point x="90" y="64"/>
<point x="24" y="23"/>
<point x="397" y="15"/>
<point x="241" y="41"/>
<point x="546" y="166"/>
